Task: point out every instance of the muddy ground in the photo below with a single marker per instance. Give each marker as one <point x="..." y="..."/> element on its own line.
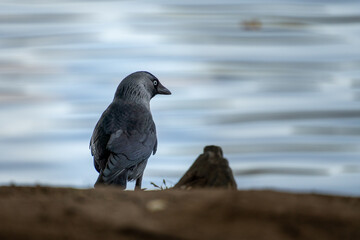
<point x="109" y="213"/>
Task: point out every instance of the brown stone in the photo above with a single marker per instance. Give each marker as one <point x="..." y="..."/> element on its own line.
<point x="210" y="170"/>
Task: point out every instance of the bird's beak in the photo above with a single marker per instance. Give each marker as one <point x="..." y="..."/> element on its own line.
<point x="162" y="90"/>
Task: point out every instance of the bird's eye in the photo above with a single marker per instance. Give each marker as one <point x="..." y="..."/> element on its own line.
<point x="155" y="83"/>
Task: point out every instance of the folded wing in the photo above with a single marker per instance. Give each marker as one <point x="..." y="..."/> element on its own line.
<point x="122" y="142"/>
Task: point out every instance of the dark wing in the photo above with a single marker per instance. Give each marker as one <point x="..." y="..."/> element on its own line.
<point x="130" y="136"/>
<point x="100" y="138"/>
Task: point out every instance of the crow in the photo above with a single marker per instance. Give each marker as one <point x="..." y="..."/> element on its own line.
<point x="125" y="135"/>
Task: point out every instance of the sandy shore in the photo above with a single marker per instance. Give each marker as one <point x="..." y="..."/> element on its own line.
<point x="108" y="213"/>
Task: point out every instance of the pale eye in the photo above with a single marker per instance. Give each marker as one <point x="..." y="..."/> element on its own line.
<point x="155" y="83"/>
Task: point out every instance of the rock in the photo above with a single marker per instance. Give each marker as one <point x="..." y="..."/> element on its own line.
<point x="210" y="170"/>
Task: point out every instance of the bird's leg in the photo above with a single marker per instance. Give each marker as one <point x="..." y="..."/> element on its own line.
<point x="138" y="183"/>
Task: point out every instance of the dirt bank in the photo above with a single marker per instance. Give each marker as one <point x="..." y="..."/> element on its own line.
<point x="108" y="213"/>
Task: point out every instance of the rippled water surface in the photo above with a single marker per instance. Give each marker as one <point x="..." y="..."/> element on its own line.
<point x="276" y="85"/>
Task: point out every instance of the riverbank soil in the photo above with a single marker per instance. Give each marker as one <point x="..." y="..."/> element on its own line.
<point x="109" y="213"/>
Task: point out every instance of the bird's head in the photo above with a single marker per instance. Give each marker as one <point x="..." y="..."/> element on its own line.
<point x="140" y="86"/>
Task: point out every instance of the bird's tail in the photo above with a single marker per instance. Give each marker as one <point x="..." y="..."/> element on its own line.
<point x="100" y="180"/>
<point x="120" y="180"/>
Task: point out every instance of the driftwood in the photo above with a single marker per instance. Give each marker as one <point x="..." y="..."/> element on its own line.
<point x="210" y="170"/>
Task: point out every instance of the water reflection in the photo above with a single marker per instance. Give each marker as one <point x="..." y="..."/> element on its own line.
<point x="276" y="86"/>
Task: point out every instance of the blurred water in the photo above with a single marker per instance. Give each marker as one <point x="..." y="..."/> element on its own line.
<point x="276" y="84"/>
